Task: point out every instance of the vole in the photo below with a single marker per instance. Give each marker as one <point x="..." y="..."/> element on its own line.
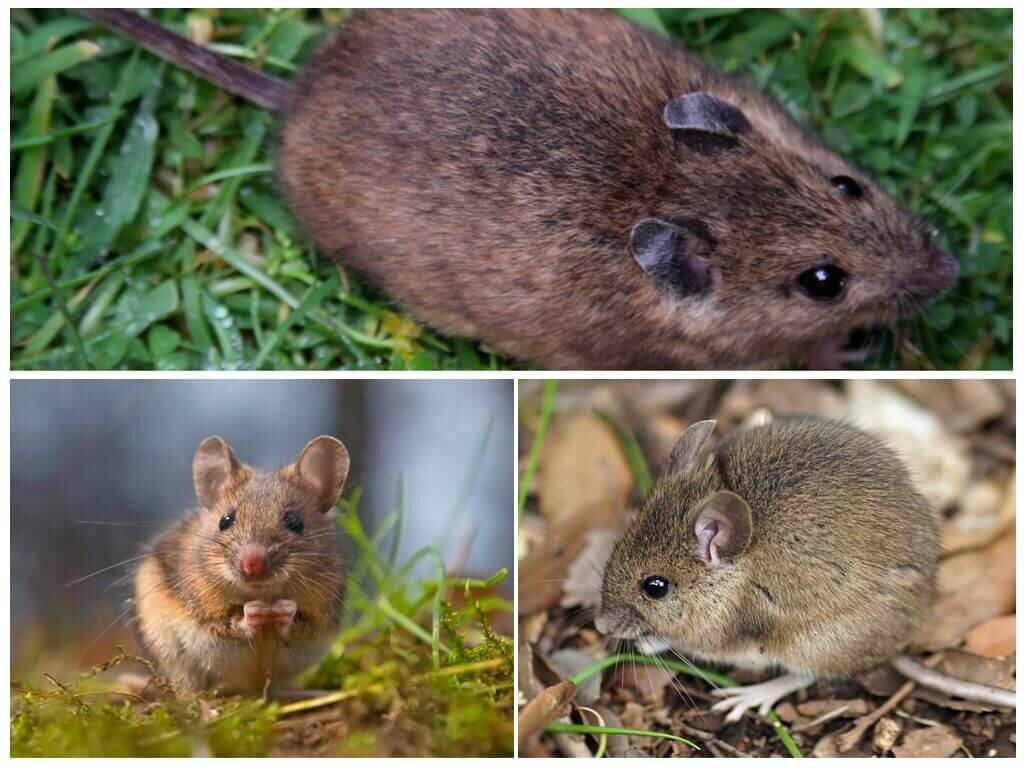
<point x="578" y="192"/>
<point x="245" y="590"/>
<point x="799" y="545"/>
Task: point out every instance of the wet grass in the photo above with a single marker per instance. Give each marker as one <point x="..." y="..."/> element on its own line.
<point x="147" y="233"/>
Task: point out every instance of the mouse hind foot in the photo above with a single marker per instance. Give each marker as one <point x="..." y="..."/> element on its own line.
<point x="761" y="696"/>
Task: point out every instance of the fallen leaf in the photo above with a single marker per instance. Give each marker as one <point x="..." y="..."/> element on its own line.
<point x="973" y="587"/>
<point x="582" y="471"/>
<point x="995" y="637"/>
<point x="814" y="709"/>
<point x="987" y="510"/>
<point x="549" y="705"/>
<point x="567" y="662"/>
<point x="648" y="682"/>
<point x="979" y="669"/>
<point x="938" y="460"/>
<point x="582" y="585"/>
<point x="934" y="741"/>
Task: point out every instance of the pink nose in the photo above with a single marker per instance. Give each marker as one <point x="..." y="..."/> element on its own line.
<point x="254" y="561"/>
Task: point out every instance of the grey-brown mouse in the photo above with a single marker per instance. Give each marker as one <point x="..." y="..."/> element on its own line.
<point x="578" y="192"/>
<point x="800" y="545"/>
<point x="245" y="590"/>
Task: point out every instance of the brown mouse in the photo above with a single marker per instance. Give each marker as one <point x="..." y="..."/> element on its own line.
<point x="245" y="590"/>
<point x="578" y="192"/>
<point x="799" y="545"/>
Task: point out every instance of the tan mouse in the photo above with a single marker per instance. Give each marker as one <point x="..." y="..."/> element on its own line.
<point x="578" y="192"/>
<point x="245" y="590"/>
<point x="799" y="545"/>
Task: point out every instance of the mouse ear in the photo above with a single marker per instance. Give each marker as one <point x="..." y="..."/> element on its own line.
<point x="673" y="253"/>
<point x="323" y="466"/>
<point x="705" y="113"/>
<point x="687" y="450"/>
<point x="722" y="529"/>
<point x="215" y="469"/>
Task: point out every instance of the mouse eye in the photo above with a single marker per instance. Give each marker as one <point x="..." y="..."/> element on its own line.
<point x="227" y="521"/>
<point x="292" y="522"/>
<point x="823" y="283"/>
<point x="655" y="587"/>
<point x="847" y="186"/>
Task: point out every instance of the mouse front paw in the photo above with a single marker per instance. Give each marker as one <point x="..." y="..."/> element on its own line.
<point x="761" y="696"/>
<point x="255" y="616"/>
<point x="284" y="613"/>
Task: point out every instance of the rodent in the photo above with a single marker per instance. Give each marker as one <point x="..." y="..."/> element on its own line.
<point x="578" y="192"/>
<point x="245" y="590"/>
<point x="800" y="544"/>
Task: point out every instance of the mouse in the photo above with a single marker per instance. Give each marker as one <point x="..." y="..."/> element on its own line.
<point x="245" y="590"/>
<point x="577" y="192"/>
<point x="798" y="544"/>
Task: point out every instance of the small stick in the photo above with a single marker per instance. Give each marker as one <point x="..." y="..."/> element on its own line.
<point x="849" y="740"/>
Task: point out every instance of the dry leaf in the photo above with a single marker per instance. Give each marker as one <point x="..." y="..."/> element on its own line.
<point x="548" y="706"/>
<point x="973" y="587"/>
<point x="937" y="459"/>
<point x="995" y="637"/>
<point x="979" y="669"/>
<point x="567" y="662"/>
<point x="987" y="510"/>
<point x="814" y="709"/>
<point x="582" y="584"/>
<point x="934" y="741"/>
<point x="582" y="471"/>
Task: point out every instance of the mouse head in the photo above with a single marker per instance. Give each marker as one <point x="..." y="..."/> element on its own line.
<point x="674" y="571"/>
<point x="261" y="527"/>
<point x="765" y="229"/>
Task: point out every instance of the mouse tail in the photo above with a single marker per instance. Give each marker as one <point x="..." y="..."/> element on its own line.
<point x="226" y="73"/>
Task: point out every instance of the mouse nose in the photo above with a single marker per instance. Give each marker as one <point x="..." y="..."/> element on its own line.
<point x="944" y="270"/>
<point x="254" y="561"/>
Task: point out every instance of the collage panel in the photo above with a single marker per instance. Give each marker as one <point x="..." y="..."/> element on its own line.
<point x="262" y="568"/>
<point x="438" y="189"/>
<point x="755" y="568"/>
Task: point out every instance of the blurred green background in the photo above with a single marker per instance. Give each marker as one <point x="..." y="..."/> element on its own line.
<point x="146" y="195"/>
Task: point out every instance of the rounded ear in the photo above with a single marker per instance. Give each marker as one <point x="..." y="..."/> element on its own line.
<point x="674" y="253"/>
<point x="722" y="528"/>
<point x="687" y="450"/>
<point x="214" y="470"/>
<point x="705" y="113"/>
<point x="323" y="467"/>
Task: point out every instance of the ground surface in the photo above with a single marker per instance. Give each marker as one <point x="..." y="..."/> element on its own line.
<point x="606" y="444"/>
<point x="149" y="194"/>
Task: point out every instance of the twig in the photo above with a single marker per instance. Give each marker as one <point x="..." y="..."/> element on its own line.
<point x="849" y="740"/>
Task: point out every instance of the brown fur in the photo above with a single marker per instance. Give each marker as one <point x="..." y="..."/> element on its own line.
<point x="188" y="597"/>
<point x="839" y="572"/>
<point x="485" y="169"/>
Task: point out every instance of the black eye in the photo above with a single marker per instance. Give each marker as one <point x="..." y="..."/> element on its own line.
<point x="823" y="283"/>
<point x="292" y="522"/>
<point x="847" y="186"/>
<point x="227" y="520"/>
<point x="655" y="587"/>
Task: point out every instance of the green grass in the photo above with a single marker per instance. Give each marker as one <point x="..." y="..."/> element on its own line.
<point x="416" y="669"/>
<point x="147" y="232"/>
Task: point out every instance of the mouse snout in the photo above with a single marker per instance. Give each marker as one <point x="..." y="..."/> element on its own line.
<point x="624" y="623"/>
<point x="938" y="273"/>
<point x="944" y="270"/>
<point x="254" y="561"/>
